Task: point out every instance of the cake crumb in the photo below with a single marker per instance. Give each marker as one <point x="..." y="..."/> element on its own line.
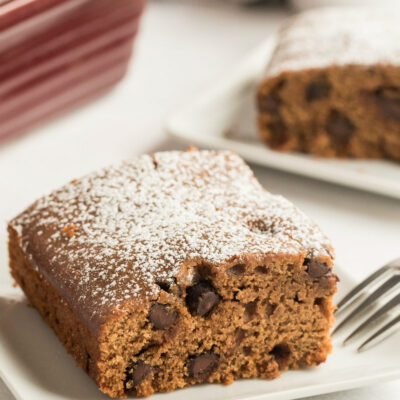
<point x="69" y="230"/>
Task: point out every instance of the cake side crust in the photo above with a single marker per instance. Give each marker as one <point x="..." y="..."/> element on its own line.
<point x="55" y="310"/>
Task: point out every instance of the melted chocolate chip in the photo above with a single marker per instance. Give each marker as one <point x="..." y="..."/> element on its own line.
<point x="317" y="90"/>
<point x="236" y="270"/>
<point x="201" y="298"/>
<point x="269" y="103"/>
<point x="328" y="281"/>
<point x="239" y="335"/>
<point x="250" y="310"/>
<point x="339" y="127"/>
<point x="316" y="269"/>
<point x="388" y="100"/>
<point x="261" y="269"/>
<point x="279" y="135"/>
<point x="135" y="373"/>
<point x="202" y="366"/>
<point x="161" y="317"/>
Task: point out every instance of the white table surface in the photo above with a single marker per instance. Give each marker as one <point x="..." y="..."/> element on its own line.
<point x="183" y="47"/>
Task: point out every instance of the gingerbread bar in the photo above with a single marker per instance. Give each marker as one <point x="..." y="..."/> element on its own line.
<point x="174" y="269"/>
<point x="332" y="87"/>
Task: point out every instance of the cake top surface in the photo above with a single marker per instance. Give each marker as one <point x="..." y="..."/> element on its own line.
<point x="337" y="36"/>
<point x="105" y="240"/>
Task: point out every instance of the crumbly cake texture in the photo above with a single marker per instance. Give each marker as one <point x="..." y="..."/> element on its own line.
<point x="173" y="269"/>
<point x="332" y="87"/>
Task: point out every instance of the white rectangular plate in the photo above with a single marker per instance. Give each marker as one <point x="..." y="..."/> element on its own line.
<point x="35" y="366"/>
<point x="224" y="118"/>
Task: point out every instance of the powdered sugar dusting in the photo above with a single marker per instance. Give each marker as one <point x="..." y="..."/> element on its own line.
<point x="106" y="239"/>
<point x="338" y="36"/>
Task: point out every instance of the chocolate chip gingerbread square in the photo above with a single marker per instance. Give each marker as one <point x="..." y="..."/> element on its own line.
<point x="332" y="87"/>
<point x="175" y="269"/>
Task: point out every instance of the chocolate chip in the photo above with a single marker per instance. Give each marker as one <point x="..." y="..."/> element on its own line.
<point x="388" y="99"/>
<point x="161" y="317"/>
<point x="135" y="373"/>
<point x="339" y="127"/>
<point x="239" y="335"/>
<point x="317" y="89"/>
<point x="202" y="366"/>
<point x="328" y="282"/>
<point x="316" y="269"/>
<point x="202" y="271"/>
<point x="236" y="270"/>
<point x="201" y="298"/>
<point x="250" y="310"/>
<point x="261" y="269"/>
<point x="269" y="103"/>
<point x="279" y="135"/>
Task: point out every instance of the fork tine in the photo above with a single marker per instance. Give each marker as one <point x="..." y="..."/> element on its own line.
<point x="394" y="302"/>
<point x="390" y="328"/>
<point x="358" y="290"/>
<point x="381" y="290"/>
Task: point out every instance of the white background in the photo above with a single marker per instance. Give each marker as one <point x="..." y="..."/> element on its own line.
<point x="183" y="47"/>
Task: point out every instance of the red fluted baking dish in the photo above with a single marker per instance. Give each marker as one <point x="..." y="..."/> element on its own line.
<point x="55" y="54"/>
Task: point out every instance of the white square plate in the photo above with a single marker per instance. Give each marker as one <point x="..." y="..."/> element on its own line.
<point x="35" y="366"/>
<point x="224" y="118"/>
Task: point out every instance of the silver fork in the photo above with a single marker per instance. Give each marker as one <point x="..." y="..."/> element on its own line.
<point x="381" y="286"/>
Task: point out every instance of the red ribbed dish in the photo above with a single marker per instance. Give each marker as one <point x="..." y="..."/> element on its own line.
<point x="56" y="54"/>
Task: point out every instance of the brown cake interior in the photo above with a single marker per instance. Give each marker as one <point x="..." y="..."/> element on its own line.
<point x="234" y="321"/>
<point x="338" y="111"/>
